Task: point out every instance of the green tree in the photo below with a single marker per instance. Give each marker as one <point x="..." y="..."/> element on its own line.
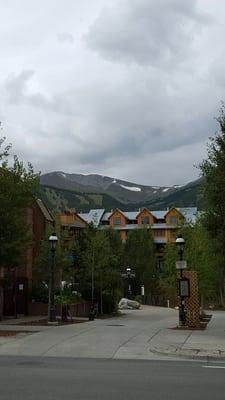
<point x="139" y="254"/>
<point x="99" y="264"/>
<point x="168" y="278"/>
<point x="213" y="173"/>
<point x="62" y="267"/>
<point x="200" y="255"/>
<point x="18" y="187"/>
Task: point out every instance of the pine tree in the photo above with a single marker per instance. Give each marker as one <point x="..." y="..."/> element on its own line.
<point x="18" y="187"/>
<point x="213" y="172"/>
<point x="139" y="254"/>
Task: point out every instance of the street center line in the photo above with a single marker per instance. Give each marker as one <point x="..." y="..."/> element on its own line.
<point x="213" y="366"/>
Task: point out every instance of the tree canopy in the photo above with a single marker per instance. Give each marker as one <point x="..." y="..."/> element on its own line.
<point x="213" y="173"/>
<point x="139" y="254"/>
<point x="19" y="185"/>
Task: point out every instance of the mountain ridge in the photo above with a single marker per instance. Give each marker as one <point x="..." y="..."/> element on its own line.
<point x="124" y="191"/>
<point x="62" y="191"/>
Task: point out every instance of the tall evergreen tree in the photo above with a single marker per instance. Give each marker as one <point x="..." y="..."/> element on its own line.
<point x="139" y="254"/>
<point x="18" y="187"/>
<point x="213" y="173"/>
<point x="200" y="257"/>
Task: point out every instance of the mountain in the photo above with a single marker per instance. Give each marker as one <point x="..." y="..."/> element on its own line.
<point x="59" y="200"/>
<point x="62" y="191"/>
<point x="187" y="196"/>
<point x="124" y="191"/>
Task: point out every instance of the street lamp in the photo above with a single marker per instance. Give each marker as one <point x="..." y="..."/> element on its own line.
<point x="129" y="275"/>
<point x="180" y="243"/>
<point x="53" y="239"/>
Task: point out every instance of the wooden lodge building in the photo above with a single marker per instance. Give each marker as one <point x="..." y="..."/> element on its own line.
<point x="163" y="224"/>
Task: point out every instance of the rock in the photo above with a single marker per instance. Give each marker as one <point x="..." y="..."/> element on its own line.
<point x="126" y="304"/>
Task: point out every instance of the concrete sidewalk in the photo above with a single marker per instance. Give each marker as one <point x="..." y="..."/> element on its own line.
<point x="207" y="345"/>
<point x="144" y="334"/>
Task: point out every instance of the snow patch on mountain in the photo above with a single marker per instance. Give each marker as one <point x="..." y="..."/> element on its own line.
<point x="132" y="188"/>
<point x="166" y="189"/>
<point x="178" y="186"/>
<point x="62" y="174"/>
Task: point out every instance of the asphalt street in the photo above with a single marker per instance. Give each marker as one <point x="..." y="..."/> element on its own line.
<point x="45" y="378"/>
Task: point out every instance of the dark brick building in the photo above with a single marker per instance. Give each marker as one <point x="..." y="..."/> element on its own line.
<point x="17" y="288"/>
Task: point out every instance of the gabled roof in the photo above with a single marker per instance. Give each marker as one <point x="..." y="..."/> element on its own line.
<point x="118" y="210"/>
<point x="45" y="211"/>
<point x="80" y="218"/>
<point x="145" y="209"/>
<point x="94" y="216"/>
<point x="106" y="216"/>
<point x="190" y="213"/>
<point x="131" y="215"/>
<point x="159" y="214"/>
<point x="173" y="208"/>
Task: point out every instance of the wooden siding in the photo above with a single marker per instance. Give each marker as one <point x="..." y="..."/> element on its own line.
<point x="174" y="213"/>
<point x="143" y="214"/>
<point x="117" y="214"/>
<point x="72" y="219"/>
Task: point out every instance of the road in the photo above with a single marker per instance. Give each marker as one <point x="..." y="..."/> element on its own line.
<point x="48" y="378"/>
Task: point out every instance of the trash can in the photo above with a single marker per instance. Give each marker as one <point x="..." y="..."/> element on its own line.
<point x="92" y="313"/>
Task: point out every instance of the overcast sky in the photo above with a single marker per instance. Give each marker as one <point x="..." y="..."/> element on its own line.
<point x="125" y="88"/>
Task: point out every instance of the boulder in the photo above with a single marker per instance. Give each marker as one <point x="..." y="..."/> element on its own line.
<point x="127" y="304"/>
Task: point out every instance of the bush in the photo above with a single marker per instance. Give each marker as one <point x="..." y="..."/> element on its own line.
<point x="39" y="294"/>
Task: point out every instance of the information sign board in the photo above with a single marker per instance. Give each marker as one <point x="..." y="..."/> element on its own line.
<point x="181" y="264"/>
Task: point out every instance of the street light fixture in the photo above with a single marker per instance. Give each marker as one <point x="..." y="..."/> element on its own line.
<point x="129" y="275"/>
<point x="128" y="271"/>
<point x="180" y="243"/>
<point x="53" y="239"/>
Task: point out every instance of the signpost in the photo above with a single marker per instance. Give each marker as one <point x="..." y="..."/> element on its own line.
<point x="184" y="287"/>
<point x="182" y="264"/>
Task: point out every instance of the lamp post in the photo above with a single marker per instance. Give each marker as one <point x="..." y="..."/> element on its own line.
<point x="180" y="243"/>
<point x="53" y="239"/>
<point x="129" y="275"/>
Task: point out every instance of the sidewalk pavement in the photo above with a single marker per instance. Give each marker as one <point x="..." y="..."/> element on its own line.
<point x="145" y="334"/>
<point x="207" y="345"/>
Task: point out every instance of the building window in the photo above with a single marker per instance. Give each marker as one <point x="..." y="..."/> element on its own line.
<point x="173" y="220"/>
<point x="117" y="221"/>
<point x="145" y="220"/>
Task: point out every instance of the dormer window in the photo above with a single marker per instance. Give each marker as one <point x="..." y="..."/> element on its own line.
<point x="145" y="220"/>
<point x="117" y="221"/>
<point x="173" y="220"/>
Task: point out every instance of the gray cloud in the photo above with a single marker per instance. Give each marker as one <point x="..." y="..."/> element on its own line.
<point x="146" y="32"/>
<point x="140" y="107"/>
<point x="66" y="38"/>
<point x="16" y="86"/>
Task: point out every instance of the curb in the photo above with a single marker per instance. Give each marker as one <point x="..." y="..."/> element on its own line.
<point x="196" y="357"/>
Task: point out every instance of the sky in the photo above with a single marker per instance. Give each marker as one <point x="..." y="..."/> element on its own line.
<point x="125" y="88"/>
